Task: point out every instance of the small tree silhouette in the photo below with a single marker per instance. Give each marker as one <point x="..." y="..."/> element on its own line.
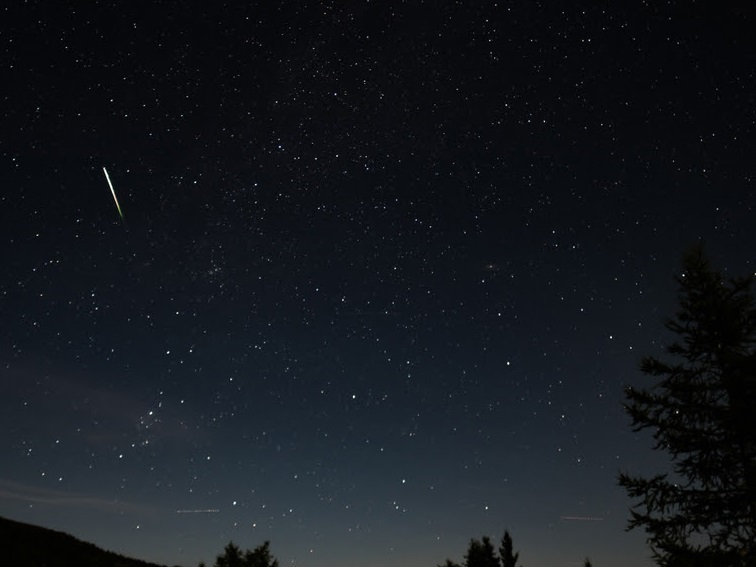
<point x="508" y="558"/>
<point x="232" y="556"/>
<point x="481" y="554"/>
<point x="260" y="557"/>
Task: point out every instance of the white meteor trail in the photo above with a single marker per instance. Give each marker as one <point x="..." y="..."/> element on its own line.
<point x="114" y="195"/>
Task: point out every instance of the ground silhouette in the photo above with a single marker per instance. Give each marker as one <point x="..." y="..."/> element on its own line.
<point x="26" y="545"/>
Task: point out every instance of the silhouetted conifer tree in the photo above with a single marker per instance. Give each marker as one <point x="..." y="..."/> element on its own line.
<point x="231" y="557"/>
<point x="481" y="554"/>
<point x="450" y="563"/>
<point x="260" y="557"/>
<point x="506" y="551"/>
<point x="702" y="411"/>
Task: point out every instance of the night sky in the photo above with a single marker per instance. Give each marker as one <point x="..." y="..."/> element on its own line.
<point x="383" y="271"/>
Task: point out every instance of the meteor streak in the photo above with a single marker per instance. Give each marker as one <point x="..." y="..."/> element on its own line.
<point x="114" y="195"/>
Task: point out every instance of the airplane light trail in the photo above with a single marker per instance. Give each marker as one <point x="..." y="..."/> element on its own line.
<point x="114" y="194"/>
<point x="208" y="511"/>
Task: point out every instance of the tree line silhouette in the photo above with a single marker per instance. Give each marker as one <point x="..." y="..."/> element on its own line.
<point x="481" y="553"/>
<point x="233" y="556"/>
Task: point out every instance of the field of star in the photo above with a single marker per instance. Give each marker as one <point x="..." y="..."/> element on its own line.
<point x="365" y="279"/>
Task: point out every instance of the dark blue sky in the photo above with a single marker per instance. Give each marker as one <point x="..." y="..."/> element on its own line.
<point x="383" y="273"/>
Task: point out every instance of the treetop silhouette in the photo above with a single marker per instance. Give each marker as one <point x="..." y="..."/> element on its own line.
<point x="701" y="410"/>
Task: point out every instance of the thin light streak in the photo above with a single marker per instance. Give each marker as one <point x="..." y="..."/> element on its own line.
<point x="118" y="206"/>
<point x="205" y="511"/>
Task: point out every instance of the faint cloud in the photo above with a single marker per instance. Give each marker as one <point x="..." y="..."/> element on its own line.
<point x="10" y="490"/>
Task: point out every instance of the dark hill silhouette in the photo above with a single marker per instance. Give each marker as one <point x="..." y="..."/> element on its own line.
<point x="26" y="545"/>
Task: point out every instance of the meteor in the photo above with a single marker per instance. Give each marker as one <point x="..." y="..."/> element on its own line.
<point x="114" y="195"/>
